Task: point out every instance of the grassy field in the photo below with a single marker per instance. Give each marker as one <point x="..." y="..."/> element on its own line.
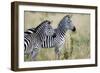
<point x="77" y="45"/>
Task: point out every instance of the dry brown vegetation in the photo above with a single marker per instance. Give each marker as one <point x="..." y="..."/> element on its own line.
<point x="77" y="45"/>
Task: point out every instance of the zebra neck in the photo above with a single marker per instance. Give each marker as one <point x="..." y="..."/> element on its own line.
<point x="62" y="31"/>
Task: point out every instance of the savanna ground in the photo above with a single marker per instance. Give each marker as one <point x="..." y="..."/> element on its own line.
<point x="77" y="45"/>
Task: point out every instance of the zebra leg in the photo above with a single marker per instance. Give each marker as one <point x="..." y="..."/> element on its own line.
<point x="57" y="53"/>
<point x="34" y="54"/>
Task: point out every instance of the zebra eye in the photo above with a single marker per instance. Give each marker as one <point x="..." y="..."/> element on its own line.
<point x="69" y="21"/>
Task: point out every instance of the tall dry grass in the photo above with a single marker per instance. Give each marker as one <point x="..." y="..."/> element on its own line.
<point x="77" y="45"/>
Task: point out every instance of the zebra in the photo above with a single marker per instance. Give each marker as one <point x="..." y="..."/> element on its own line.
<point x="33" y="37"/>
<point x="64" y="25"/>
<point x="57" y="38"/>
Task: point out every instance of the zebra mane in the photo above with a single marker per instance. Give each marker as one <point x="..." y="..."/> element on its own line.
<point x="41" y="24"/>
<point x="64" y="18"/>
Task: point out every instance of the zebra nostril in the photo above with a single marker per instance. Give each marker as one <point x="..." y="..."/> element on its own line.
<point x="74" y="29"/>
<point x="49" y="22"/>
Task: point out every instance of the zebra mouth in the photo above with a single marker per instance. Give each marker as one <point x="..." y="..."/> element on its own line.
<point x="49" y="22"/>
<point x="74" y="29"/>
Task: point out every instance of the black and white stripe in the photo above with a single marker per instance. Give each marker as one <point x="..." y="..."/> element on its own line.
<point x="48" y="42"/>
<point x="44" y="39"/>
<point x="34" y="37"/>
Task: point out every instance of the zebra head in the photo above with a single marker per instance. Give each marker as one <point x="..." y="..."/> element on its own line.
<point x="66" y="23"/>
<point x="48" y="30"/>
<point x="45" y="28"/>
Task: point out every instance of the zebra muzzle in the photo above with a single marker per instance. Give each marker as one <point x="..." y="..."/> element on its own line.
<point x="74" y="29"/>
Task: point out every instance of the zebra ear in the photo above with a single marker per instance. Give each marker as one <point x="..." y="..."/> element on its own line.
<point x="69" y="15"/>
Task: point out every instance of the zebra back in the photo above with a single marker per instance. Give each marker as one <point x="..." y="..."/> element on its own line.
<point x="34" y="37"/>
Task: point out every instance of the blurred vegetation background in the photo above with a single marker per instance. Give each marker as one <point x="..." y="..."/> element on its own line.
<point x="77" y="45"/>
